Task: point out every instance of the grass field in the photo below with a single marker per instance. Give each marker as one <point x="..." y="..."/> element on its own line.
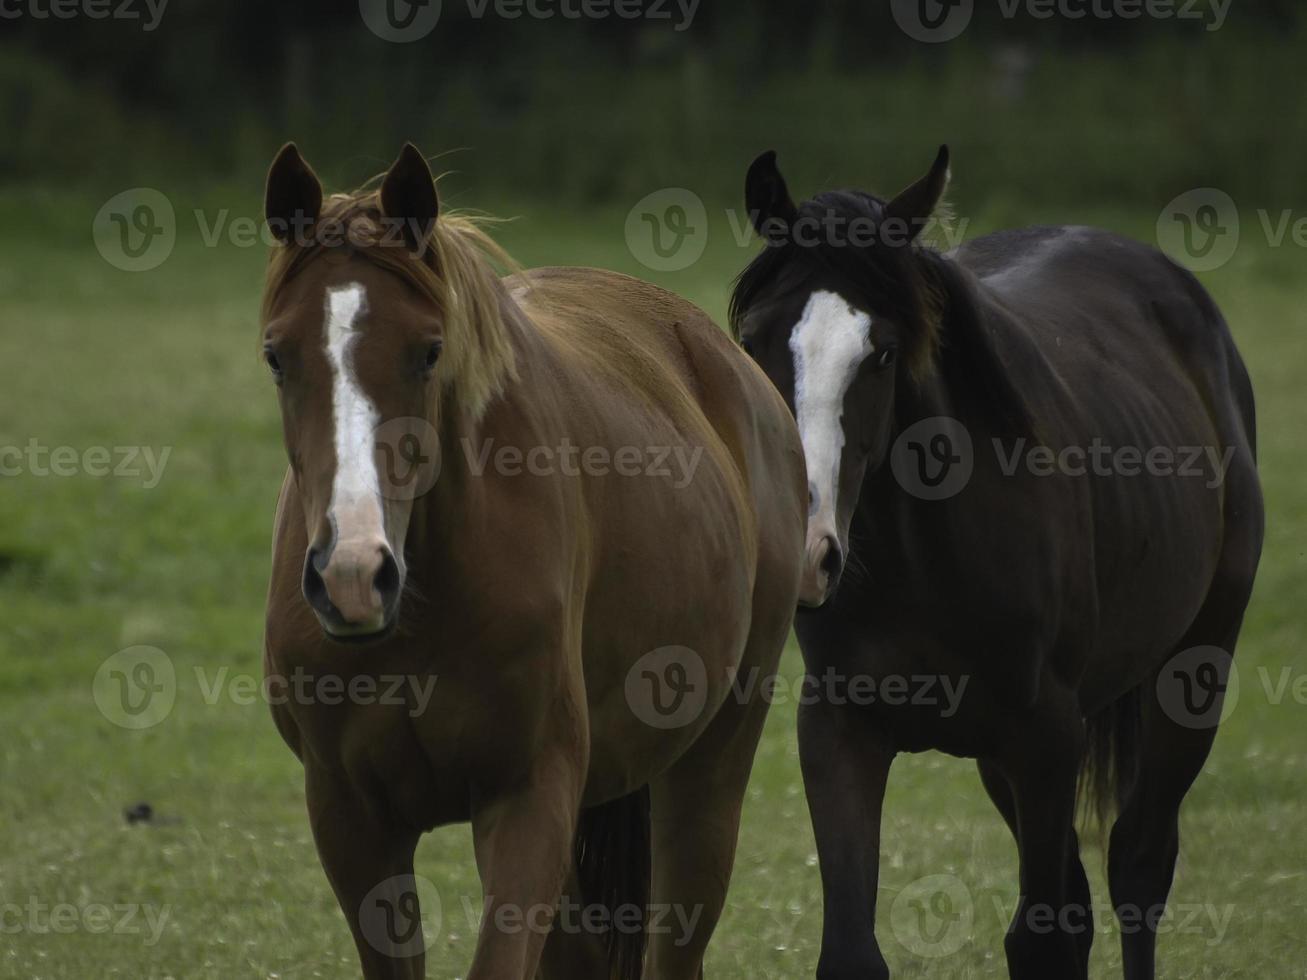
<point x="227" y="884"/>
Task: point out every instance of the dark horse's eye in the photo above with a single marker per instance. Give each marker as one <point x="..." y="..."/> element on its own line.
<point x="274" y="365"/>
<point x="433" y="355"/>
<point x="887" y="357"/>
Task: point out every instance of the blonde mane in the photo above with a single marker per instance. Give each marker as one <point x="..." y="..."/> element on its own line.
<point x="455" y="269"/>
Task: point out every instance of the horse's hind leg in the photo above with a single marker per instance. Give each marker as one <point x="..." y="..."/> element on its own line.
<point x="1042" y="766"/>
<point x="1180" y="709"/>
<point x="1174" y="744"/>
<point x="1146" y="836"/>
<point x="695" y="808"/>
<point x="572" y="952"/>
<point x="369" y="861"/>
<point x="694" y="825"/>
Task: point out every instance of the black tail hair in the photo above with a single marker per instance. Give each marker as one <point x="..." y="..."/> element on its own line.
<point x="613" y="863"/>
<point x="1111" y="762"/>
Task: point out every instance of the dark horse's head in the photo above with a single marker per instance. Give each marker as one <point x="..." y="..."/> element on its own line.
<point x="839" y="310"/>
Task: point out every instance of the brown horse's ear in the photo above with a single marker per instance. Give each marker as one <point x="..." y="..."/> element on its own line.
<point x="293" y="199"/>
<point x="767" y="198"/>
<point x="916" y="203"/>
<point x="408" y="196"/>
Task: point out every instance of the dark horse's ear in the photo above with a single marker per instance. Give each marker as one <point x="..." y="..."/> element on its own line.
<point x="408" y="196"/>
<point x="767" y="198"/>
<point x="916" y="203"/>
<point x="293" y="199"/>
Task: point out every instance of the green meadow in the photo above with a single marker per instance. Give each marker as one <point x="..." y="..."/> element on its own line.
<point x="224" y="881"/>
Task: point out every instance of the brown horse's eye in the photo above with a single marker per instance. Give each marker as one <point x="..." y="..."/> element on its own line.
<point x="274" y="365"/>
<point x="433" y="355"/>
<point x="887" y="357"/>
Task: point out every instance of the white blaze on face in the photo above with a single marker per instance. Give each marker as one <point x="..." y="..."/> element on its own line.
<point x="355" y="509"/>
<point x="829" y="343"/>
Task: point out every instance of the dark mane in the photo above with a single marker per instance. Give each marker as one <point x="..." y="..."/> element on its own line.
<point x="825" y="239"/>
<point x="976" y="369"/>
<point x="947" y="329"/>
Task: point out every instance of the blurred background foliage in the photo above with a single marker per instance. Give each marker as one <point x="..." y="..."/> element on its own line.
<point x="1109" y="111"/>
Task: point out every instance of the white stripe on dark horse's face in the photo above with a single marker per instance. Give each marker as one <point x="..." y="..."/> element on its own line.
<point x="829" y="344"/>
<point x="355" y="508"/>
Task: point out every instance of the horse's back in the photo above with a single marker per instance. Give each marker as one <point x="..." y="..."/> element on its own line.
<point x="640" y="340"/>
<point x="1140" y="358"/>
<point x="1096" y="301"/>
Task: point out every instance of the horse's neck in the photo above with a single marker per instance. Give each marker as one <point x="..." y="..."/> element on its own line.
<point x="971" y="393"/>
<point x="469" y="440"/>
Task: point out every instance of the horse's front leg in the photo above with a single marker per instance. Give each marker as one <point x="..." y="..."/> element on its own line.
<point x="1043" y="767"/>
<point x="368" y="857"/>
<point x="523" y="842"/>
<point x="846" y="765"/>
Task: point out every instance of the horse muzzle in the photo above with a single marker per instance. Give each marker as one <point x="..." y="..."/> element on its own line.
<point x="354" y="588"/>
<point x="822" y="567"/>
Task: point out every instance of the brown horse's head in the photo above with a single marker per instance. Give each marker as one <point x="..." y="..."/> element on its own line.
<point x="836" y="312"/>
<point x="379" y="315"/>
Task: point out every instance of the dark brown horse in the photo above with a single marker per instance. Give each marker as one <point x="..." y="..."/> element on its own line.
<point x="1037" y="455"/>
<point x="567" y="501"/>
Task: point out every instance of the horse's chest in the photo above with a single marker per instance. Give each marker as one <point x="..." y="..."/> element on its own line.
<point x="921" y="683"/>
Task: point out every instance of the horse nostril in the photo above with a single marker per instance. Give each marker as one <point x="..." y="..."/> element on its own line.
<point x="833" y="563"/>
<point x="315" y="589"/>
<point x="386" y="581"/>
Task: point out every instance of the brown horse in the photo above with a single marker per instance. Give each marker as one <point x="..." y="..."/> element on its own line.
<point x="618" y="517"/>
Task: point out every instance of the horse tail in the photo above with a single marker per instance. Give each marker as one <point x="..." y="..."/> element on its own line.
<point x="613" y="862"/>
<point x="1111" y="761"/>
